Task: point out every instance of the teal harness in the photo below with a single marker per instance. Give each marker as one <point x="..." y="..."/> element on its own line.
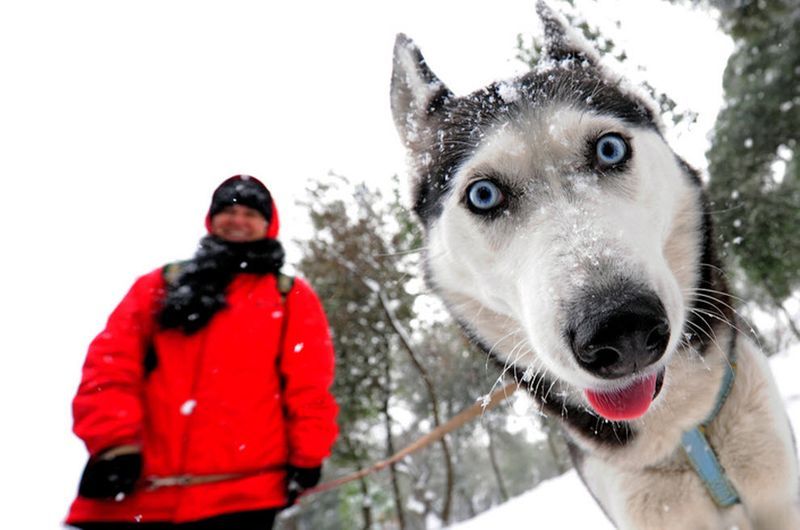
<point x="702" y="456"/>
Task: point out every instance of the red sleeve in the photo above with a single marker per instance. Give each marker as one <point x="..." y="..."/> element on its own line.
<point x="107" y="409"/>
<point x="307" y="362"/>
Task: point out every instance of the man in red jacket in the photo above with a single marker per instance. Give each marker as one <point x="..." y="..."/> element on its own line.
<point x="205" y="401"/>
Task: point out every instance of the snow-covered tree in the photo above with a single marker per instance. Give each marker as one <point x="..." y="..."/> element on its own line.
<point x="753" y="163"/>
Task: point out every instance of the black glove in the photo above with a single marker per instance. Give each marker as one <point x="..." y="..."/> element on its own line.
<point x="299" y="479"/>
<point x="105" y="478"/>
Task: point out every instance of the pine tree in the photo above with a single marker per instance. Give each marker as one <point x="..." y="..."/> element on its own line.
<point x="358" y="264"/>
<point x="755" y="176"/>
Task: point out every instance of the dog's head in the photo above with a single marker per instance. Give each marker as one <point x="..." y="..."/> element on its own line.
<point x="562" y="231"/>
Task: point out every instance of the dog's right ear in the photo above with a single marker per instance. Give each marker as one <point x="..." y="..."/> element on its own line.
<point x="562" y="42"/>
<point x="416" y="93"/>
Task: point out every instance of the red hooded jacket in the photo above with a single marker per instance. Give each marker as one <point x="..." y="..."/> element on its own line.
<point x="231" y="398"/>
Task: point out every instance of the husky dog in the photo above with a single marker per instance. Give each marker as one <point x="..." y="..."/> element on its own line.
<point x="576" y="249"/>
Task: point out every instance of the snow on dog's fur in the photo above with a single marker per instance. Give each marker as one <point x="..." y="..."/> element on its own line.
<point x="575" y="247"/>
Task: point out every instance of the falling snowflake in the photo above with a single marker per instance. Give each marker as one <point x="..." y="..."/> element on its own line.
<point x="188" y="407"/>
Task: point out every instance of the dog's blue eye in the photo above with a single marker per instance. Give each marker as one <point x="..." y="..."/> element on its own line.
<point x="484" y="196"/>
<point x="611" y="149"/>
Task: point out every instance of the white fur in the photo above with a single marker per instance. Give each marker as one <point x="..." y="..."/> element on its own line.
<point x="525" y="267"/>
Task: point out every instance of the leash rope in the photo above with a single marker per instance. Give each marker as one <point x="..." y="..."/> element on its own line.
<point x="454" y="423"/>
<point x="695" y="445"/>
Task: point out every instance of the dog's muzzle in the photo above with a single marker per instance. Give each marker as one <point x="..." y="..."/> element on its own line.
<point x="617" y="332"/>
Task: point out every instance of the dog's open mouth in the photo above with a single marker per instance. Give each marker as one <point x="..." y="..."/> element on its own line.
<point x="626" y="403"/>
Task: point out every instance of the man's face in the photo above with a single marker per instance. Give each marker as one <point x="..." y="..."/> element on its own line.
<point x="239" y="224"/>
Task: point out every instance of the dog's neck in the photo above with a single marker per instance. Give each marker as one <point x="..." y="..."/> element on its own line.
<point x="711" y="302"/>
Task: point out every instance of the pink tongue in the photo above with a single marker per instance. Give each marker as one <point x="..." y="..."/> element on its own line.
<point x="627" y="403"/>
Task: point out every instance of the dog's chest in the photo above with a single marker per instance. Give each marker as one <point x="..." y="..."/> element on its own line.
<point x="752" y="440"/>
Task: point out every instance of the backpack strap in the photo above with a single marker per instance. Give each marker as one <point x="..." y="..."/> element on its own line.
<point x="285" y="284"/>
<point x="172" y="271"/>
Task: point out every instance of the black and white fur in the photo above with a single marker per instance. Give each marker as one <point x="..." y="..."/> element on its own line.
<point x="577" y="248"/>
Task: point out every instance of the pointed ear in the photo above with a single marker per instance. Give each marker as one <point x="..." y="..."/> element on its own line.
<point x="416" y="92"/>
<point x="563" y="42"/>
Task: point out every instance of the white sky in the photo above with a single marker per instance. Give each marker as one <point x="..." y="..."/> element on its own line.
<point x="117" y="120"/>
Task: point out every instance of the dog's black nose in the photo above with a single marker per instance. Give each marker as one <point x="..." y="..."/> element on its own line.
<point x="625" y="337"/>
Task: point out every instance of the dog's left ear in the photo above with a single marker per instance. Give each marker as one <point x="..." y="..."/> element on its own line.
<point x="416" y="93"/>
<point x="563" y="42"/>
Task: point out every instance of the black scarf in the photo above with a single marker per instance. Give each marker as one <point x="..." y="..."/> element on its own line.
<point x="199" y="290"/>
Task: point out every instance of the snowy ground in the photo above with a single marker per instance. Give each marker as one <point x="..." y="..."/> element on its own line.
<point x="563" y="502"/>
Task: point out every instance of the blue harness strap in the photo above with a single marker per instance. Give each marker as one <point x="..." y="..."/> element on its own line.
<point x="702" y="456"/>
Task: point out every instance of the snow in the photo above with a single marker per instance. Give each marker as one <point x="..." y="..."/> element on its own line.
<point x="188" y="407"/>
<point x="562" y="502"/>
<point x="508" y="92"/>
